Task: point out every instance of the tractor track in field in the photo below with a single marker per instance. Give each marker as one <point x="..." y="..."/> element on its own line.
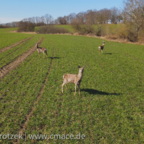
<point x="15" y="49"/>
<point x="29" y="115"/>
<point x="16" y="44"/>
<point x="12" y="65"/>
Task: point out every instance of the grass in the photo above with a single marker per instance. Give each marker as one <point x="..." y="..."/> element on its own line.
<point x="8" y="38"/>
<point x="23" y="89"/>
<point x="110" y="108"/>
<point x="13" y="53"/>
<point x="67" y="27"/>
<point x="108" y="29"/>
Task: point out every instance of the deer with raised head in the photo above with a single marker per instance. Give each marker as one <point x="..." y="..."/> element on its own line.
<point x="41" y="49"/>
<point x="101" y="47"/>
<point x="73" y="78"/>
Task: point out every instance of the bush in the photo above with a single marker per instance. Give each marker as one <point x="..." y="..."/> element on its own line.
<point x="132" y="36"/>
<point x="50" y="30"/>
<point x="84" y="29"/>
<point x="122" y="32"/>
<point x="26" y="27"/>
<point x="99" y="31"/>
<point x="130" y="33"/>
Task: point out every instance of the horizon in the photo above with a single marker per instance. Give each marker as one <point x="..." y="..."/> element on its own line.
<point x="13" y="11"/>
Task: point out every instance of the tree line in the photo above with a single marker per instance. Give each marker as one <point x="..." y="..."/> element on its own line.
<point x="90" y="17"/>
<point x="132" y="16"/>
<point x="102" y="16"/>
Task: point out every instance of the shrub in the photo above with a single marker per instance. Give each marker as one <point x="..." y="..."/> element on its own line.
<point x="122" y="32"/>
<point x="132" y="36"/>
<point x="50" y="30"/>
<point x="26" y="27"/>
<point x="132" y="33"/>
<point x="99" y="31"/>
<point x="84" y="29"/>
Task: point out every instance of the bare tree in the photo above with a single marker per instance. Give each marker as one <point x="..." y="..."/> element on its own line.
<point x="133" y="15"/>
<point x="91" y="17"/>
<point x="62" y="20"/>
<point x="115" y="15"/>
<point x="48" y="19"/>
<point x="70" y="18"/>
<point x="80" y="18"/>
<point x="26" y="26"/>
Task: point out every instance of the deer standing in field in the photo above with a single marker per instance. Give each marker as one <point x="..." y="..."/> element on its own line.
<point x="73" y="78"/>
<point x="41" y="49"/>
<point x="101" y="47"/>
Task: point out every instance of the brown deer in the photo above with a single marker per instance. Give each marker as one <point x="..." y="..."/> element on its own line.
<point x="41" y="49"/>
<point x="101" y="47"/>
<point x="73" y="78"/>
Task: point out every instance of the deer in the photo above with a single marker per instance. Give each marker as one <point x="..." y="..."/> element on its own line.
<point x="73" y="78"/>
<point x="101" y="47"/>
<point x="41" y="49"/>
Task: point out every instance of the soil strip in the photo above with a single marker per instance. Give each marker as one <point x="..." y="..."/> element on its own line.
<point x="29" y="115"/>
<point x="9" y="67"/>
<point x="16" y="44"/>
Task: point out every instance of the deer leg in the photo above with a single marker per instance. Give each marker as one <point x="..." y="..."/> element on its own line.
<point x="75" y="89"/>
<point x="46" y="52"/>
<point x="79" y="88"/>
<point x="62" y="87"/>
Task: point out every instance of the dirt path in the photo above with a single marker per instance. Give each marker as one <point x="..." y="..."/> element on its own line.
<point x="16" y="44"/>
<point x="29" y="115"/>
<point x="9" y="53"/>
<point x="9" y="67"/>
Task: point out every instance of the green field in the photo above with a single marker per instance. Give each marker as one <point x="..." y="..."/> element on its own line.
<point x="110" y="109"/>
<point x="7" y="37"/>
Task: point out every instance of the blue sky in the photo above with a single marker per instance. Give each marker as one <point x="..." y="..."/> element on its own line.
<point x="15" y="10"/>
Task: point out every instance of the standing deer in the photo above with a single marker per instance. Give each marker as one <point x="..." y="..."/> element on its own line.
<point x="41" y="49"/>
<point x="73" y="78"/>
<point x="101" y="47"/>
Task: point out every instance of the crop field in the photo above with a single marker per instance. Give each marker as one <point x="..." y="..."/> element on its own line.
<point x="8" y="38"/>
<point x="109" y="110"/>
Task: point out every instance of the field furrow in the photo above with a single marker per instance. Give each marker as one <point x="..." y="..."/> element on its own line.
<point x="7" y="38"/>
<point x="30" y="114"/>
<point x="16" y="44"/>
<point x="12" y="65"/>
<point x="31" y="78"/>
<point x="12" y="54"/>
